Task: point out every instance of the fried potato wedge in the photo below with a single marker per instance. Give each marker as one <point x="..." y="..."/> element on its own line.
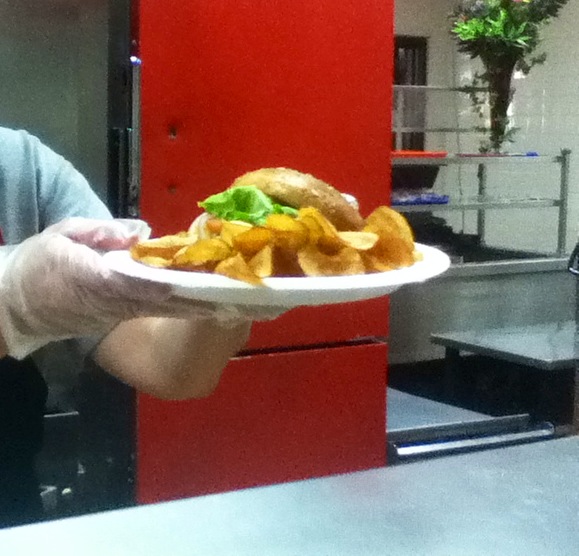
<point x="386" y="221"/>
<point x="372" y="263"/>
<point x="362" y="241"/>
<point x="158" y="262"/>
<point x="288" y="233"/>
<point x="237" y="268"/>
<point x="230" y="230"/>
<point x="395" y="246"/>
<point x="202" y="253"/>
<point x="261" y="264"/>
<point x="309" y="245"/>
<point x="317" y="263"/>
<point x="391" y="252"/>
<point x="322" y="232"/>
<point x="164" y="247"/>
<point x="253" y="240"/>
<point x="285" y="263"/>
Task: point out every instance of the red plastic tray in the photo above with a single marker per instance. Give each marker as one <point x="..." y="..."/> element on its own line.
<point x="419" y="154"/>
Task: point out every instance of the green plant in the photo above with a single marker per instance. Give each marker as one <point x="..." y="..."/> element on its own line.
<point x="504" y="35"/>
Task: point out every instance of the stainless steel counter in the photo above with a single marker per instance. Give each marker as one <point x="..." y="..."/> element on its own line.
<point x="496" y="268"/>
<point x="407" y="412"/>
<point x="419" y="428"/>
<point x="521" y="500"/>
<point x="549" y="346"/>
<point x="478" y="296"/>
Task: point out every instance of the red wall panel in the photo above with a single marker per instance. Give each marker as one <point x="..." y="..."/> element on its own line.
<point x="233" y="85"/>
<point x="274" y="418"/>
<point x="328" y="324"/>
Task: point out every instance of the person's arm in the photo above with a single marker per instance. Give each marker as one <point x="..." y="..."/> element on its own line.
<point x="53" y="289"/>
<point x="171" y="358"/>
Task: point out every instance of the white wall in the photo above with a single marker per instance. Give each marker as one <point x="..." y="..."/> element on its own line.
<point x="53" y="77"/>
<point x="546" y="107"/>
<point x="37" y="71"/>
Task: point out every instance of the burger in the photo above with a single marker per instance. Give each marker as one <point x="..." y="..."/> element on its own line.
<point x="254" y="196"/>
<point x="282" y="222"/>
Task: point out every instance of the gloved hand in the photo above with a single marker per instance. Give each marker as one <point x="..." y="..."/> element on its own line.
<point x="256" y="313"/>
<point x="103" y="235"/>
<point x="55" y="285"/>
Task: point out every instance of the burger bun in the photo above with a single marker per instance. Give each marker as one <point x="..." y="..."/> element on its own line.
<point x="296" y="189"/>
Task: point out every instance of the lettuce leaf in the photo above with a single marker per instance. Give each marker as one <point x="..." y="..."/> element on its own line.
<point x="245" y="203"/>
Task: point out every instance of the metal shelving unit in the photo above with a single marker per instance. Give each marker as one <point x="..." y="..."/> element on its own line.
<point x="401" y="104"/>
<point x="483" y="201"/>
<point x="490" y="284"/>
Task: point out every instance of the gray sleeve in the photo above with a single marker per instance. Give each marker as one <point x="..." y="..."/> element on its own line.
<point x="38" y="187"/>
<point x="62" y="190"/>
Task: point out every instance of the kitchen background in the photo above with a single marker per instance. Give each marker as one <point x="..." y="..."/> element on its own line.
<point x="52" y="74"/>
<point x="53" y="77"/>
<point x="546" y="109"/>
<point x="53" y="82"/>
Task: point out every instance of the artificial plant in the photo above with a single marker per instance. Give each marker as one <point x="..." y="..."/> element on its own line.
<point x="504" y="35"/>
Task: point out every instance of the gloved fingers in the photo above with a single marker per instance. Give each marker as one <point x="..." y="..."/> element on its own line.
<point x="54" y="268"/>
<point x="136" y="227"/>
<point x="52" y="288"/>
<point x="54" y="274"/>
<point x="258" y="313"/>
<point x="122" y="296"/>
<point x="104" y="235"/>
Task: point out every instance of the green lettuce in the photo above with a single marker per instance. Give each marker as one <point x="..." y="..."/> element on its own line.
<point x="245" y="203"/>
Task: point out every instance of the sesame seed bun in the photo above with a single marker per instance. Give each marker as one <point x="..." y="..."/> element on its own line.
<point x="296" y="189"/>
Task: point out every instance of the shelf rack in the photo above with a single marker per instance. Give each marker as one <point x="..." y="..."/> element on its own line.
<point x="483" y="202"/>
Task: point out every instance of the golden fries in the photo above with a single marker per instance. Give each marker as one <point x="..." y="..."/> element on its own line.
<point x="236" y="267"/>
<point x="204" y="253"/>
<point x="346" y="261"/>
<point x="308" y="245"/>
<point x="165" y="247"/>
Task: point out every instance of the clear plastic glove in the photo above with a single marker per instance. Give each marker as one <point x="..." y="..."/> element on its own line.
<point x="55" y="286"/>
<point x="103" y="235"/>
<point x="248" y="312"/>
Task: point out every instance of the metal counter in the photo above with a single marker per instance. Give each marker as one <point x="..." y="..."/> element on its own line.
<point x="407" y="412"/>
<point x="521" y="500"/>
<point x="478" y="296"/>
<point x="549" y="347"/>
<point x="419" y="428"/>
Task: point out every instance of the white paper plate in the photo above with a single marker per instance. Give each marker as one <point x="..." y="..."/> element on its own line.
<point x="284" y="292"/>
